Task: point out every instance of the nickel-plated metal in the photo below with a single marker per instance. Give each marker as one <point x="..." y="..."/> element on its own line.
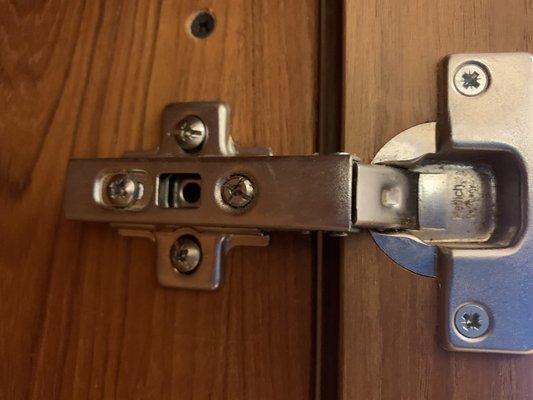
<point x="386" y="197"/>
<point x="471" y="78"/>
<point x="407" y="149"/>
<point x="215" y="244"/>
<point x="237" y="191"/>
<point x="190" y="133"/>
<point x="216" y="118"/>
<point x="324" y="203"/>
<point x="261" y="193"/>
<point x="472" y="321"/>
<point x="185" y="254"/>
<point x="449" y="200"/>
<point x="122" y="190"/>
<point x="499" y="274"/>
<point x="318" y="204"/>
<point x="474" y="203"/>
<point x="144" y="218"/>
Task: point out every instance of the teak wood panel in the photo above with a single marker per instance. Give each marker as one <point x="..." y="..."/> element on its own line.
<point x="388" y="333"/>
<point x="81" y="314"/>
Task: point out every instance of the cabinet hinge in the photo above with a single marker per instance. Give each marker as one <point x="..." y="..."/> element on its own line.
<point x="447" y="199"/>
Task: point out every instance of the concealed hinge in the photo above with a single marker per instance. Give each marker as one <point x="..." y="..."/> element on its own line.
<point x="200" y="194"/>
<point x="448" y="200"/>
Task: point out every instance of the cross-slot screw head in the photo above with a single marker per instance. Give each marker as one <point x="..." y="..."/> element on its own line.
<point x="237" y="191"/>
<point x="122" y="190"/>
<point x="186" y="254"/>
<point x="471" y="79"/>
<point x="190" y="133"/>
<point x="472" y="320"/>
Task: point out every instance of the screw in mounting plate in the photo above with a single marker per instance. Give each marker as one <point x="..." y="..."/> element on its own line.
<point x="203" y="24"/>
<point x="237" y="191"/>
<point x="123" y="191"/>
<point x="186" y="254"/>
<point x="190" y="133"/>
<point x="472" y="321"/>
<point x="471" y="79"/>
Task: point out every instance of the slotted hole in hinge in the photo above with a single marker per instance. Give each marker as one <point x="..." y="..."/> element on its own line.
<point x="176" y="190"/>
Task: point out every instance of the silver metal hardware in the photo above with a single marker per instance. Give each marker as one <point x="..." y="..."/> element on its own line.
<point x="190" y="133"/>
<point x="471" y="78"/>
<point x="123" y="190"/>
<point x="474" y="166"/>
<point x="120" y="189"/>
<point x="185" y="254"/>
<point x="237" y="191"/>
<point x="448" y="200"/>
<point x="472" y="321"/>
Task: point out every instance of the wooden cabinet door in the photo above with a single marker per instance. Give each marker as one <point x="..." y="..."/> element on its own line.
<point x="389" y="315"/>
<point x="81" y="315"/>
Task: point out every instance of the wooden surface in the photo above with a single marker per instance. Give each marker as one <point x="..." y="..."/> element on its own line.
<point x="81" y="314"/>
<point x="388" y="334"/>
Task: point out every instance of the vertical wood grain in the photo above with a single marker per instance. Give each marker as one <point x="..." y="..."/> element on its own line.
<point x="388" y="333"/>
<point x="81" y="314"/>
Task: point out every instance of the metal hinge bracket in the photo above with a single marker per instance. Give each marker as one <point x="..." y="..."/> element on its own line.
<point x="199" y="194"/>
<point x="448" y="199"/>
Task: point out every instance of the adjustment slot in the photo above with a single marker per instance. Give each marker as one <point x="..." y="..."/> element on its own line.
<point x="178" y="190"/>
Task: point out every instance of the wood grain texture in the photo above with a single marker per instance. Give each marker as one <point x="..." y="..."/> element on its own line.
<point x="81" y="315"/>
<point x="389" y="344"/>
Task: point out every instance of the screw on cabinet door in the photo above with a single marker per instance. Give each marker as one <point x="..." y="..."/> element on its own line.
<point x="472" y="321"/>
<point x="471" y="79"/>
